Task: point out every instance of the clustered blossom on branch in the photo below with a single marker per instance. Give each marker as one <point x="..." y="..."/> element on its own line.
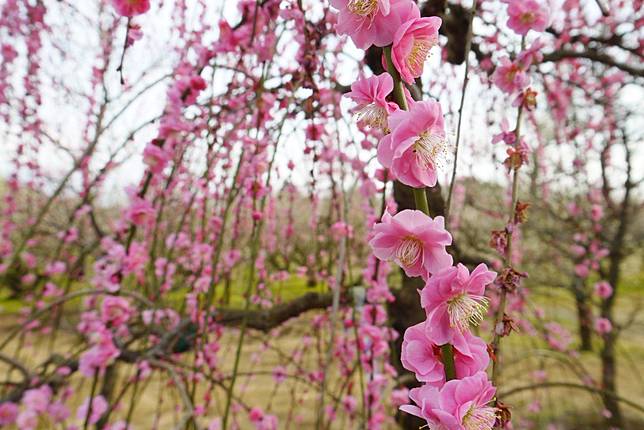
<point x="412" y="150"/>
<point x="206" y="214"/>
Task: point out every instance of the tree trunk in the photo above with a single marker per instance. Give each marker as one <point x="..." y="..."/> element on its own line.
<point x="609" y="373"/>
<point x="584" y="315"/>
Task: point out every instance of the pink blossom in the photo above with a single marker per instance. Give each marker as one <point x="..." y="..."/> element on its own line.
<point x="526" y="15"/>
<point x="350" y="404"/>
<point x="27" y="420"/>
<point x="603" y="289"/>
<point x="8" y="413"/>
<point x="415" y="241"/>
<point x="58" y="412"/>
<point x="461" y="404"/>
<point x="370" y="94"/>
<point x="115" y="310"/>
<point x="37" y="399"/>
<point x="372" y="22"/>
<point x="411" y="45"/>
<point x="261" y="420"/>
<point x="155" y="157"/>
<point x="422" y="356"/>
<point x="139" y="211"/>
<point x="98" y="357"/>
<point x="99" y="407"/>
<point x="416" y="146"/>
<point x="510" y="77"/>
<point x="454" y="299"/>
<point x="582" y="270"/>
<point x="507" y="136"/>
<point x="279" y="374"/>
<point x="603" y="325"/>
<point x="131" y="8"/>
<point x="557" y="336"/>
<point x="399" y="397"/>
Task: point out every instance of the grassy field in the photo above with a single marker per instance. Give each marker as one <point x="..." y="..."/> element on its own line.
<point x="525" y="357"/>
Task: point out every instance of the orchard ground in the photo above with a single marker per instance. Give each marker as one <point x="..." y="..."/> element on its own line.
<point x="526" y="356"/>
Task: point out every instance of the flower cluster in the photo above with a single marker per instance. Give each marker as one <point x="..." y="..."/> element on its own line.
<point x="444" y="355"/>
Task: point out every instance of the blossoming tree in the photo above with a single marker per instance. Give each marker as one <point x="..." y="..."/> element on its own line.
<point x="205" y="205"/>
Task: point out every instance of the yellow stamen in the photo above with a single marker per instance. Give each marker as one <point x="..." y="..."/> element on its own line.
<point x="363" y="7"/>
<point x="372" y="115"/>
<point x="409" y="250"/>
<point x="418" y="54"/>
<point x="465" y="309"/>
<point x="430" y="150"/>
<point x="479" y="418"/>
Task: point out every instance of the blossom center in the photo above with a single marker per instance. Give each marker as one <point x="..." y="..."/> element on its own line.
<point x="418" y="54"/>
<point x="465" y="309"/>
<point x="363" y="7"/>
<point x="527" y="18"/>
<point x="512" y="73"/>
<point x="409" y="250"/>
<point x="372" y="115"/>
<point x="479" y="418"/>
<point x="430" y="149"/>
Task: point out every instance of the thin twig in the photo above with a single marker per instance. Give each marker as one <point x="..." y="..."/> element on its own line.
<point x="466" y="79"/>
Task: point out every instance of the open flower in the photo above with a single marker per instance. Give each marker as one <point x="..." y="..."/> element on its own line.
<point x="370" y="94"/>
<point x="454" y="299"/>
<point x="510" y="76"/>
<point x="131" y="8"/>
<point x="603" y="289"/>
<point x="411" y="45"/>
<point x="373" y="22"/>
<point x="8" y="413"/>
<point x="603" y="325"/>
<point x="416" y="146"/>
<point x="461" y="404"/>
<point x="99" y="407"/>
<point x="422" y="356"/>
<point x="526" y="15"/>
<point x="415" y="241"/>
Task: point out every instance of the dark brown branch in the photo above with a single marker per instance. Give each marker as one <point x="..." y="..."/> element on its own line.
<point x="267" y="319"/>
<point x="593" y="55"/>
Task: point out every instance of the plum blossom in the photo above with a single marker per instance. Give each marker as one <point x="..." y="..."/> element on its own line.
<point x="417" y="145"/>
<point x="510" y="76"/>
<point x="155" y="156"/>
<point x="415" y="241"/>
<point x="461" y="404"/>
<point x="411" y="45"/>
<point x="603" y="325"/>
<point x="140" y="211"/>
<point x="507" y="135"/>
<point x="8" y="413"/>
<point x="99" y="406"/>
<point x="372" y="22"/>
<point x="526" y="15"/>
<point x="370" y="94"/>
<point x="37" y="399"/>
<point x="115" y="311"/>
<point x="603" y="289"/>
<point x="261" y="420"/>
<point x="422" y="356"/>
<point x="99" y="356"/>
<point x="131" y="8"/>
<point x="27" y="420"/>
<point x="454" y="299"/>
